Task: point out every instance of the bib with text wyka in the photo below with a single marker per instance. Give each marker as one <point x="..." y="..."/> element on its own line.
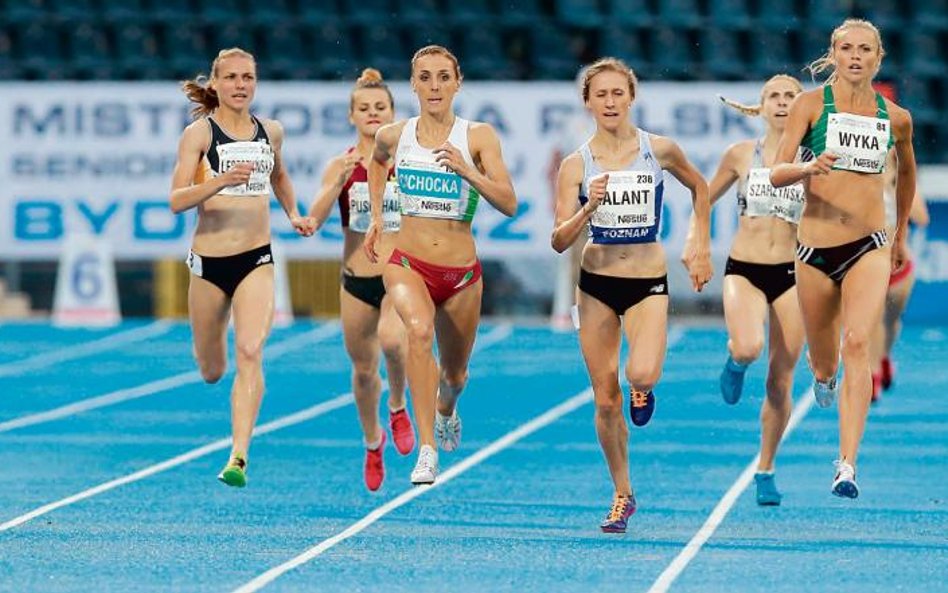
<point x="259" y="154"/>
<point x="860" y="141"/>
<point x="627" y="211"/>
<point x="763" y="199"/>
<point x="360" y="207"/>
<point x="426" y="189"/>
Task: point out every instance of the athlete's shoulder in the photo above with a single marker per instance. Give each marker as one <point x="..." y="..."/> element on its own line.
<point x="740" y="148"/>
<point x="390" y="133"/>
<point x="661" y="145"/>
<point x="197" y="132"/>
<point x="479" y="130"/>
<point x="573" y="165"/>
<point x="273" y="128"/>
<point x="811" y="99"/>
<point x="900" y="116"/>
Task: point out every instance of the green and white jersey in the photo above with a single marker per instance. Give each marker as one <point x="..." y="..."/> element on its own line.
<point x="427" y="189"/>
<point x="861" y="142"/>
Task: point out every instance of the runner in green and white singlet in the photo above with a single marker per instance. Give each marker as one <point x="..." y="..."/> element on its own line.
<point x="843" y="254"/>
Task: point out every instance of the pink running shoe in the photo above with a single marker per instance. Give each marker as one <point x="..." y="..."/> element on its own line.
<point x="402" y="431"/>
<point x="374" y="466"/>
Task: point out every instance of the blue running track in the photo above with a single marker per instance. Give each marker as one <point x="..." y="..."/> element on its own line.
<point x="110" y="444"/>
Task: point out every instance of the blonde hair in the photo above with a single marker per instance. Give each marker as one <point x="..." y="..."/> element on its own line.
<point x="370" y="79"/>
<point x="436" y="50"/>
<point x="754" y="110"/>
<point x="198" y="89"/>
<point x="606" y="65"/>
<point x="825" y="62"/>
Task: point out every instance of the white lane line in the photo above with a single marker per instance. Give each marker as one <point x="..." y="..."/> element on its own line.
<point x="454" y="471"/>
<point x="296" y="418"/>
<point x="675" y="334"/>
<point x="111" y="342"/>
<point x="498" y="334"/>
<point x="122" y="395"/>
<point x="671" y="572"/>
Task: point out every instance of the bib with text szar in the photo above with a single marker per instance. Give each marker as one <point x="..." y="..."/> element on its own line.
<point x="860" y="141"/>
<point x="763" y="199"/>
<point x="360" y="208"/>
<point x="259" y="154"/>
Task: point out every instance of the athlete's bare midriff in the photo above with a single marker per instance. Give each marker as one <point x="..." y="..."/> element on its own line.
<point x="635" y="260"/>
<point x="230" y="225"/>
<point x="764" y="240"/>
<point x="443" y="242"/>
<point x="840" y="208"/>
<point x="354" y="260"/>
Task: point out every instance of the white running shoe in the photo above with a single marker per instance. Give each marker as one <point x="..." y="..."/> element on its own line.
<point x="448" y="430"/>
<point x="427" y="467"/>
<point x="825" y="393"/>
<point x="844" y="484"/>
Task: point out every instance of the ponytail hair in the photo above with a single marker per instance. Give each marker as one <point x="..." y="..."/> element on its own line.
<point x="198" y="89"/>
<point x="370" y="79"/>
<point x="755" y="110"/>
<point x="826" y="61"/>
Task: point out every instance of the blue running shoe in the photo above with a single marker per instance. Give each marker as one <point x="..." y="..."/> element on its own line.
<point x="825" y="392"/>
<point x="623" y="507"/>
<point x="844" y="484"/>
<point x="767" y="494"/>
<point x="732" y="380"/>
<point x="641" y="406"/>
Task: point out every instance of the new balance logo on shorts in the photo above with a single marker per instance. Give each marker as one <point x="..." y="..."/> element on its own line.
<point x="264" y="259"/>
<point x="658" y="288"/>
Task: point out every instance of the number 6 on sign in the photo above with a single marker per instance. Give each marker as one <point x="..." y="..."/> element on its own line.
<point x="85" y="284"/>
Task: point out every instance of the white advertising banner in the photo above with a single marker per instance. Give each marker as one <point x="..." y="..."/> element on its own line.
<point x="97" y="158"/>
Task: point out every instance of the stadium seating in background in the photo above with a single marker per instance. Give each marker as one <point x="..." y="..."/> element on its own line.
<point x="721" y="54"/>
<point x="415" y="13"/>
<point x="379" y="13"/>
<point x="91" y="53"/>
<point x="172" y="11"/>
<point x="671" y="54"/>
<point x="680" y="14"/>
<point x="729" y="15"/>
<point x="626" y="44"/>
<point x="634" y="13"/>
<point x="584" y="14"/>
<point x="120" y="12"/>
<point x="494" y="39"/>
<point x="470" y="13"/>
<point x="484" y="55"/>
<point x="41" y="53"/>
<point x="550" y="55"/>
<point x="385" y="49"/>
<point x="930" y="14"/>
<point x="333" y="43"/>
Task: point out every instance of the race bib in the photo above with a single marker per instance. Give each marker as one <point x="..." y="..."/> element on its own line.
<point x="763" y="199"/>
<point x="259" y="154"/>
<point x="629" y="201"/>
<point x="861" y="142"/>
<point x="360" y="207"/>
<point x="426" y="189"/>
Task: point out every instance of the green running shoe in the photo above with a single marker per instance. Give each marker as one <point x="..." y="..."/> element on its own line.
<point x="235" y="472"/>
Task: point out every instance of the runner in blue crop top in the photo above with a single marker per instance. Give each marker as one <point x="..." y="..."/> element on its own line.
<point x="615" y="183"/>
